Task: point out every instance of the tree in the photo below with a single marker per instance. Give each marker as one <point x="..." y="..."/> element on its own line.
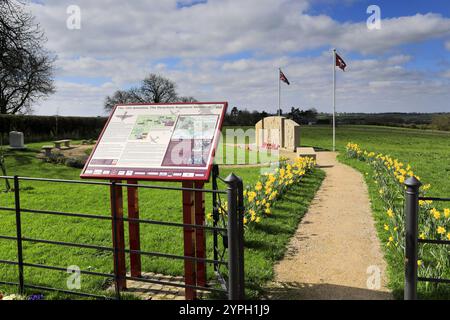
<point x="187" y="99"/>
<point x="121" y="97"/>
<point x="303" y="117"/>
<point x="153" y="89"/>
<point x="441" y="122"/>
<point x="26" y="68"/>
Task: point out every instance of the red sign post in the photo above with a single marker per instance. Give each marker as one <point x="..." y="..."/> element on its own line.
<point x="159" y="142"/>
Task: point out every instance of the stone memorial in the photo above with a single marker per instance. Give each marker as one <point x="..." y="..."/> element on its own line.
<point x="16" y="140"/>
<point x="277" y="133"/>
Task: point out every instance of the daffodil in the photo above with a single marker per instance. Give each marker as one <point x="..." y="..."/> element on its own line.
<point x="446" y="212"/>
<point x="390" y="213"/>
<point x="441" y="230"/>
<point x="436" y="214"/>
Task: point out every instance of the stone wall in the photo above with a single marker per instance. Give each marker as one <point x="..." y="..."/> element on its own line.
<point x="277" y="133"/>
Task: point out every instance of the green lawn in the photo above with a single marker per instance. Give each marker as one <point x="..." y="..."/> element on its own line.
<point x="427" y="152"/>
<point x="265" y="243"/>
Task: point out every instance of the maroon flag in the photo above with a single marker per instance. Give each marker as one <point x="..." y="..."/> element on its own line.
<point x="283" y="78"/>
<point x="340" y="62"/>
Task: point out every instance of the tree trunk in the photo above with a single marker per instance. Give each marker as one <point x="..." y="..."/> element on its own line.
<point x="3" y="105"/>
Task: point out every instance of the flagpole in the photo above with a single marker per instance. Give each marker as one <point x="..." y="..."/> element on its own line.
<point x="279" y="93"/>
<point x="334" y="100"/>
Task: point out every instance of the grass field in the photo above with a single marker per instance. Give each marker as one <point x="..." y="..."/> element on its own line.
<point x="265" y="242"/>
<point x="428" y="153"/>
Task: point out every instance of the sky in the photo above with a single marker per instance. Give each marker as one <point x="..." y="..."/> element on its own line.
<point x="230" y="50"/>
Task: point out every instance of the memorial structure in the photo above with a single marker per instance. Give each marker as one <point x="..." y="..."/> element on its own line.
<point x="277" y="133"/>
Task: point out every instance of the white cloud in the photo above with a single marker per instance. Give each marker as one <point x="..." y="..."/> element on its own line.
<point x="447" y="45"/>
<point x="155" y="29"/>
<point x="121" y="41"/>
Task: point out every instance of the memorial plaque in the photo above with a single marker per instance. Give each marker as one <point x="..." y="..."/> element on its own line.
<point x="158" y="142"/>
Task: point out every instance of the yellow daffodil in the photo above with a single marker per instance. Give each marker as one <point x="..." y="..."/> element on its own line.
<point x="441" y="230"/>
<point x="435" y="213"/>
<point x="390" y="213"/>
<point x="446" y="212"/>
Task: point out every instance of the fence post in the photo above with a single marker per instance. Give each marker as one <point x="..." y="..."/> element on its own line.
<point x="118" y="238"/>
<point x="411" y="216"/>
<point x="241" y="238"/>
<point x="215" y="213"/>
<point x="19" y="233"/>
<point x="233" y="237"/>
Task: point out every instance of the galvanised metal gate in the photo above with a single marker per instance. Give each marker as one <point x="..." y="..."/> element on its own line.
<point x="231" y="283"/>
<point x="412" y="240"/>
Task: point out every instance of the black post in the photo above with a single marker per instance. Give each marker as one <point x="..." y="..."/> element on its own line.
<point x="116" y="251"/>
<point x="19" y="233"/>
<point x="412" y="221"/>
<point x="215" y="174"/>
<point x="241" y="238"/>
<point x="233" y="244"/>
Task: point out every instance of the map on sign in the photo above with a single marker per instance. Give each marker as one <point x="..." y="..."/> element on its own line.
<point x="158" y="142"/>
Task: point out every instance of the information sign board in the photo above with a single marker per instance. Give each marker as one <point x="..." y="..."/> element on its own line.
<point x="158" y="142"/>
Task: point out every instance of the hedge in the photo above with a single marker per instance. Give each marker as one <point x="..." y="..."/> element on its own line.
<point x="46" y="128"/>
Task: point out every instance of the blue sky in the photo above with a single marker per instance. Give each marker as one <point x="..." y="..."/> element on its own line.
<point x="231" y="50"/>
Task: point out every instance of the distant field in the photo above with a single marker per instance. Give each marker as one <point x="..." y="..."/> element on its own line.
<point x="428" y="152"/>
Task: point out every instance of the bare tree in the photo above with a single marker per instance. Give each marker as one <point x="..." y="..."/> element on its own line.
<point x="122" y="97"/>
<point x="187" y="99"/>
<point x="25" y="66"/>
<point x="158" y="89"/>
<point x="154" y="89"/>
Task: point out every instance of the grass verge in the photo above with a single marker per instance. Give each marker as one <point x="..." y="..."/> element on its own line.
<point x="395" y="263"/>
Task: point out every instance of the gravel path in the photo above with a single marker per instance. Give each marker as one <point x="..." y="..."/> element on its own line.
<point x="335" y="244"/>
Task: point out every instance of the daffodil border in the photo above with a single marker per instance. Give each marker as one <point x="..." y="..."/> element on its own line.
<point x="434" y="223"/>
<point x="260" y="197"/>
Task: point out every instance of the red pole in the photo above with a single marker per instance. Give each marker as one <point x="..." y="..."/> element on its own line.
<point x="200" y="240"/>
<point x="134" y="230"/>
<point x="118" y="236"/>
<point x="189" y="241"/>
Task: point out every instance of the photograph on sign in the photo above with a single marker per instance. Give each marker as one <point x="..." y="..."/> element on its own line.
<point x="157" y="142"/>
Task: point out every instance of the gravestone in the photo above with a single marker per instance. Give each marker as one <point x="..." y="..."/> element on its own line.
<point x="16" y="140"/>
<point x="277" y="133"/>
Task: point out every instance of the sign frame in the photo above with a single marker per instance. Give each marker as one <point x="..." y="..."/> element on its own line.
<point x="214" y="146"/>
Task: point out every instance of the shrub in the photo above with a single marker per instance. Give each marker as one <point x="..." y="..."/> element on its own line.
<point x="41" y="128"/>
<point x="441" y="122"/>
<point x="76" y="162"/>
